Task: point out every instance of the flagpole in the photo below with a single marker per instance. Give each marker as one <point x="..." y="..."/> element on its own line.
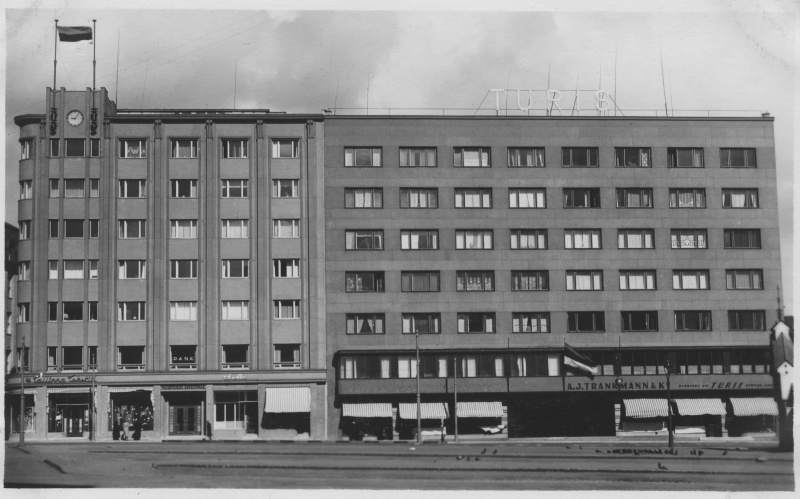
<point x="55" y="59"/>
<point x="94" y="56"/>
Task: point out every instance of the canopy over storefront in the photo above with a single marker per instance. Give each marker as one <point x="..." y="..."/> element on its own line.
<point x="645" y="408"/>
<point x="479" y="410"/>
<point x="699" y="407"/>
<point x="429" y="410"/>
<point x="754" y="406"/>
<point x="288" y="399"/>
<point x="376" y="410"/>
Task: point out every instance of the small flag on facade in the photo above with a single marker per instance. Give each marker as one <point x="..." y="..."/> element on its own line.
<point x="578" y="361"/>
<point x="74" y="33"/>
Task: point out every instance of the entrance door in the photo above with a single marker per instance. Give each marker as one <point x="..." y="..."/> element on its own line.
<point x="185" y="420"/>
<point x="74" y="420"/>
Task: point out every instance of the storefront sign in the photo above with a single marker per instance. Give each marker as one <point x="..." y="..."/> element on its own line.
<point x="183" y="387"/>
<point x="234" y="376"/>
<point x="592" y="386"/>
<point x="58" y="380"/>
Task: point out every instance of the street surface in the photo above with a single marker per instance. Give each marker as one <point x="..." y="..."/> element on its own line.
<point x="398" y="466"/>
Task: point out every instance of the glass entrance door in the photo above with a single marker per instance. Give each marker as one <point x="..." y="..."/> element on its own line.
<point x="185" y="420"/>
<point x="75" y="419"/>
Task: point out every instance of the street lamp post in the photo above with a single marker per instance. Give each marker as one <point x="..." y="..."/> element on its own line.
<point x="455" y="398"/>
<point x="419" y="409"/>
<point x="22" y="394"/>
<point x="669" y="408"/>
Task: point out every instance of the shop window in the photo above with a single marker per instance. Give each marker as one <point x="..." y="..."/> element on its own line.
<point x="132" y="188"/>
<point x="285" y="148"/>
<point x="183" y="229"/>
<point x="232" y="269"/>
<point x="235" y="357"/>
<point x="285" y="188"/>
<point x="746" y="320"/>
<point x="72" y="359"/>
<point x="287" y="228"/>
<point x="632" y="157"/>
<point x="130" y="358"/>
<point x="287" y="356"/>
<point x="477" y="280"/>
<point x="419" y="281"/>
<point x="581" y="198"/>
<point x="133" y="148"/>
<point x="135" y="408"/>
<point x="579" y="157"/>
<point x="690" y="279"/>
<point x="584" y="280"/>
<point x="630" y="280"/>
<point x="72" y="310"/>
<point x="73" y="228"/>
<point x="418" y="239"/>
<point x="365" y="323"/>
<point x="744" y="279"/>
<point x="234" y="148"/>
<point x="183" y="269"/>
<point x="75" y="148"/>
<point x="476" y="323"/>
<point x="525" y="239"/>
<point x="416" y="157"/>
<point x="422" y="323"/>
<point x="639" y="321"/>
<point x="526" y="157"/>
<point x="131" y="311"/>
<point x="363" y="239"/>
<point x="68" y="414"/>
<point x="234" y="188"/>
<point x="363" y="197"/>
<point x="586" y="322"/>
<point x="530" y="280"/>
<point x="183" y="188"/>
<point x="685" y="157"/>
<point x="474" y="239"/>
<point x="233" y="310"/>
<point x="184" y="148"/>
<point x="183" y="310"/>
<point x="286" y="267"/>
<point x="530" y="322"/>
<point x="236" y="410"/>
<point x="183" y="357"/>
<point x="740" y="198"/>
<point x="630" y="197"/>
<point x="742" y="238"/>
<point x="363" y="157"/>
<point x="235" y="229"/>
<point x="132" y="269"/>
<point x="737" y="157"/>
<point x="689" y="238"/>
<point x="473" y="198"/>
<point x="132" y="229"/>
<point x="687" y="198"/>
<point x="419" y="198"/>
<point x="364" y="282"/>
<point x="692" y="320"/>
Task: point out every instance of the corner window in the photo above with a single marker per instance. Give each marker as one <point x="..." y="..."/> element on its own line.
<point x="688" y="238"/>
<point x="646" y="322"/>
<point x="584" y="280"/>
<point x="364" y="282"/>
<point x="285" y="148"/>
<point x="235" y="310"/>
<point x="582" y="239"/>
<point x="234" y="188"/>
<point x="419" y="281"/>
<point x="474" y="239"/>
<point x="134" y="148"/>
<point x="363" y="198"/>
<point x="635" y="198"/>
<point x="363" y="157"/>
<point x="475" y="280"/>
<point x="183" y="188"/>
<point x="526" y="157"/>
<point x="132" y="188"/>
<point x="737" y="158"/>
<point x="418" y="157"/>
<point x="635" y="239"/>
<point x="637" y="280"/>
<point x="690" y="279"/>
<point x="581" y="198"/>
<point x="685" y="157"/>
<point x="744" y="279"/>
<point x="419" y="197"/>
<point x="746" y="320"/>
<point x="586" y="322"/>
<point x="526" y="198"/>
<point x="530" y="280"/>
<point x="530" y="322"/>
<point x="76" y="148"/>
<point x="473" y="198"/>
<point x="742" y="238"/>
<point x="422" y="323"/>
<point x="480" y="322"/>
<point x="234" y="148"/>
<point x="740" y="198"/>
<point x="579" y="157"/>
<point x="692" y="320"/>
<point x="365" y="323"/>
<point x="632" y="157"/>
<point x="184" y="148"/>
<point x="235" y="228"/>
<point x="363" y="239"/>
<point x="472" y="157"/>
<point x="687" y="198"/>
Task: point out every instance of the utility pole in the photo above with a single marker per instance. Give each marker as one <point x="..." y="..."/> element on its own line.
<point x="419" y="409"/>
<point x="22" y="394"/>
<point x="669" y="408"/>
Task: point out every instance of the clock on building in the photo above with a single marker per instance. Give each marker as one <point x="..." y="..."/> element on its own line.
<point x="75" y="118"/>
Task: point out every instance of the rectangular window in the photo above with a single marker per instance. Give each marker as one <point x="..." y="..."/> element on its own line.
<point x="586" y="322"/>
<point x="744" y="279"/>
<point x="419" y="239"/>
<point x="94" y="187"/>
<point x="76" y="148"/>
<point x="528" y="238"/>
<point x="234" y="188"/>
<point x="365" y="323"/>
<point x="474" y="239"/>
<point x="286" y="309"/>
<point x="52" y="272"/>
<point x="472" y="157"/>
<point x="746" y="320"/>
<point x="740" y="198"/>
<point x="422" y="323"/>
<point x="481" y="322"/>
<point x="183" y="310"/>
<point x="132" y="148"/>
<point x="234" y="148"/>
<point x="93" y="311"/>
<point x="363" y="239"/>
<point x="285" y="148"/>
<point x="742" y="238"/>
<point x="94" y="228"/>
<point x="235" y="310"/>
<point x="285" y="228"/>
<point x="232" y="269"/>
<point x="52" y="359"/>
<point x="419" y="281"/>
<point x="94" y="145"/>
<point x="235" y="228"/>
<point x="72" y="310"/>
<point x="687" y="198"/>
<point x="637" y="280"/>
<point x="132" y="229"/>
<point x="526" y="157"/>
<point x="54" y="148"/>
<point x="634" y="197"/>
<point x="285" y="188"/>
<point x="74" y="188"/>
<point x="130" y="358"/>
<point x="363" y="157"/>
<point x="183" y="269"/>
<point x="24" y="271"/>
<point x="132" y="189"/>
<point x="635" y="239"/>
<point x="73" y="228"/>
<point x="527" y="198"/>
<point x="583" y="239"/>
<point x="26" y="189"/>
<point x="690" y="279"/>
<point x="183" y="357"/>
<point x="132" y="269"/>
<point x="632" y="157"/>
<point x="363" y="198"/>
<point x="93" y="269"/>
<point x="530" y="322"/>
<point x="72" y="358"/>
<point x="73" y="269"/>
<point x="27" y="149"/>
<point x="54" y="229"/>
<point x="54" y="188"/>
<point x="584" y="280"/>
<point x="685" y="157"/>
<point x="579" y="157"/>
<point x="131" y="311"/>
<point x="23" y="312"/>
<point x="287" y="356"/>
<point x="184" y="148"/>
<point x="183" y="188"/>
<point x="364" y="282"/>
<point x="25" y="229"/>
<point x="475" y="280"/>
<point x="416" y="157"/>
<point x="639" y="321"/>
<point x="286" y="267"/>
<point x="235" y="357"/>
<point x="737" y="158"/>
<point x="581" y="198"/>
<point x="473" y="198"/>
<point x="689" y="238"/>
<point x="692" y="320"/>
<point x="530" y="280"/>
<point x="183" y="229"/>
<point x="419" y="198"/>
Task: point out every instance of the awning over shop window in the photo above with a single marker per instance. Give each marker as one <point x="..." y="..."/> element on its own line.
<point x="756" y="406"/>
<point x="429" y="410"/>
<point x="479" y="410"/>
<point x="378" y="410"/>
<point x="28" y="391"/>
<point x="645" y="408"/>
<point x="288" y="399"/>
<point x="698" y="407"/>
<point x="123" y="389"/>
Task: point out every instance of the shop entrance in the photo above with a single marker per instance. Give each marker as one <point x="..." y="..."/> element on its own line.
<point x="68" y="414"/>
<point x="186" y="413"/>
<point x="76" y="417"/>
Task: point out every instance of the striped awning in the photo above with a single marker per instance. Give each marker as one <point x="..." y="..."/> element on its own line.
<point x="479" y="410"/>
<point x="18" y="391"/>
<point x="125" y="389"/>
<point x="698" y="407"/>
<point x="428" y="410"/>
<point x="645" y="408"/>
<point x="377" y="410"/>
<point x="288" y="399"/>
<point x="756" y="406"/>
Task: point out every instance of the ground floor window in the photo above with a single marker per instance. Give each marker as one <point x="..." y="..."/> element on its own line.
<point x="68" y="413"/>
<point x="297" y="421"/>
<point x="13" y="411"/>
<point x="739" y="425"/>
<point x="358" y="428"/>
<point x="130" y="413"/>
<point x="236" y="411"/>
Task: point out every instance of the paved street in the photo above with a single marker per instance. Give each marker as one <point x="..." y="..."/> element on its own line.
<point x="550" y="466"/>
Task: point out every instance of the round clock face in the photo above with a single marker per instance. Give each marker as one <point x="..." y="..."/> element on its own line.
<point x="74" y="118"/>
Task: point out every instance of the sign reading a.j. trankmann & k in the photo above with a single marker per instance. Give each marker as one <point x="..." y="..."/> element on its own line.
<point x="675" y="384"/>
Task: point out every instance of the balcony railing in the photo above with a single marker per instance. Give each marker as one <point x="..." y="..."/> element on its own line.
<point x="130" y="367"/>
<point x="183" y="367"/>
<point x="235" y="365"/>
<point x="286" y="365"/>
<point x="71" y="368"/>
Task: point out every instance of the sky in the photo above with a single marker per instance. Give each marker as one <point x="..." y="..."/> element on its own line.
<point x="717" y="55"/>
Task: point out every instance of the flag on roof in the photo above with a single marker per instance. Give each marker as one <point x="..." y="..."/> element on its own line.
<point x="74" y="33"/>
<point x="580" y="362"/>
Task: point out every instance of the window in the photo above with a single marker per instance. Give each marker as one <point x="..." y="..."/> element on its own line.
<point x="742" y="238"/>
<point x="418" y="157"/>
<point x="72" y="310"/>
<point x="689" y="238"/>
<point x="737" y="158"/>
<point x="481" y="322"/>
<point x="419" y="281"/>
<point x="746" y="320"/>
<point x="639" y="321"/>
<point x="422" y="323"/>
<point x="94" y="187"/>
<point x="235" y="269"/>
<point x="536" y="364"/>
<point x="73" y="269"/>
<point x="54" y="189"/>
<point x="234" y="188"/>
<point x="132" y="189"/>
<point x="25" y="229"/>
<point x="54" y="229"/>
<point x="286" y="267"/>
<point x="744" y="279"/>
<point x="584" y="280"/>
<point x="690" y="279"/>
<point x="363" y="239"/>
<point x="52" y="269"/>
<point x="583" y="239"/>
<point x="363" y="198"/>
<point x="406" y="366"/>
<point x="530" y="280"/>
<point x="530" y="322"/>
<point x="24" y="271"/>
<point x="54" y="147"/>
<point x="365" y="323"/>
<point x="72" y="358"/>
<point x="183" y="269"/>
<point x="579" y="157"/>
<point x="285" y="228"/>
<point x="473" y="198"/>
<point x="235" y="310"/>
<point x="687" y="198"/>
<point x="526" y="157"/>
<point x="419" y="239"/>
<point x="93" y="272"/>
<point x="632" y="280"/>
<point x="235" y="228"/>
<point x="472" y="157"/>
<point x="287" y="356"/>
<point x="76" y="148"/>
<point x="23" y="312"/>
<point x="528" y="238"/>
<point x="132" y="229"/>
<point x="632" y="157"/>
<point x="527" y="198"/>
<point x="476" y="280"/>
<point x="234" y="148"/>
<point x="94" y="228"/>
<point x="740" y="198"/>
<point x="73" y="228"/>
<point x="685" y="157"/>
<point x="183" y="188"/>
<point x="130" y="358"/>
<point x="235" y="357"/>
<point x="183" y="357"/>
<point x="693" y="320"/>
<point x="586" y="322"/>
<point x="27" y="149"/>
<point x="52" y="359"/>
<point x="285" y="148"/>
<point x="183" y="229"/>
<point x="131" y="311"/>
<point x="363" y="156"/>
<point x="635" y="239"/>
<point x="481" y="366"/>
<point x="419" y="198"/>
<point x="26" y="189"/>
<point x="94" y="145"/>
<point x="132" y="148"/>
<point x="285" y="188"/>
<point x="631" y="197"/>
<point x="184" y="148"/>
<point x="581" y="198"/>
<point x="93" y="311"/>
<point x="474" y="239"/>
<point x="93" y="358"/>
<point x="363" y="282"/>
<point x="183" y="310"/>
